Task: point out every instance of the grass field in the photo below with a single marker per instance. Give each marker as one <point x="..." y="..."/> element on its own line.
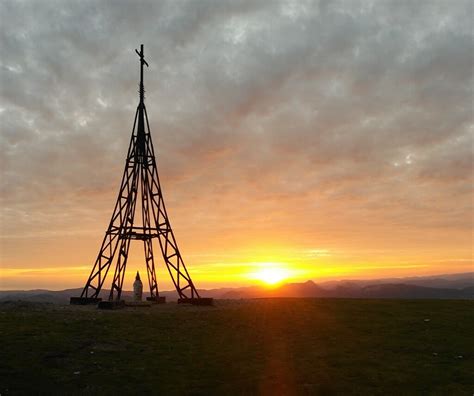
<point x="268" y="347"/>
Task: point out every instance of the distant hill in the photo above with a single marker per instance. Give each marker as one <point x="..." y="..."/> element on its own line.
<point x="452" y="286"/>
<point x="448" y="281"/>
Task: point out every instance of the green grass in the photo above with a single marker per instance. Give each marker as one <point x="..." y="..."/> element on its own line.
<point x="269" y="347"/>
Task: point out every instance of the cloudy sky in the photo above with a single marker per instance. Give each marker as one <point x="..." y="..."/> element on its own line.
<point x="329" y="139"/>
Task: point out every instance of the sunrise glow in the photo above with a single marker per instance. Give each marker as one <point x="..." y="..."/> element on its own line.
<point x="270" y="273"/>
<point x="302" y="151"/>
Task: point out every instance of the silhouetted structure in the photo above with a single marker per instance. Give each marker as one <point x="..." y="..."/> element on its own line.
<point x="140" y="178"/>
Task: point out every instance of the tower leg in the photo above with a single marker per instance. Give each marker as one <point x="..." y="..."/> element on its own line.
<point x="151" y="272"/>
<point x="147" y="241"/>
<point x="119" y="275"/>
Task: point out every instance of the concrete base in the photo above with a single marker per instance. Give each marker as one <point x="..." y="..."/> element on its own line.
<point x="196" y="301"/>
<point x="145" y="304"/>
<point x="156" y="300"/>
<point x="115" y="304"/>
<point x="84" y="300"/>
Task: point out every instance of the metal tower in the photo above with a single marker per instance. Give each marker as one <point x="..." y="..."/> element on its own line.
<point x="140" y="179"/>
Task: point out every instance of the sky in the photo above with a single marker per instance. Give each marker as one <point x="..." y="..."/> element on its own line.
<point x="317" y="139"/>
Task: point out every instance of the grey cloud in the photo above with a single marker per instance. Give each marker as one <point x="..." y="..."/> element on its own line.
<point x="256" y="102"/>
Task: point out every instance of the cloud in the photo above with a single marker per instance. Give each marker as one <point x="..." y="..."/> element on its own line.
<point x="288" y="118"/>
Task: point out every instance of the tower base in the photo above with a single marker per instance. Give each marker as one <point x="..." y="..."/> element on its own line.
<point x="157" y="300"/>
<point x="84" y="300"/>
<point x="114" y="304"/>
<point x="196" y="301"/>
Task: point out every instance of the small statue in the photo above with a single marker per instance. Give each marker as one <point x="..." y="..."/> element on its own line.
<point x="137" y="288"/>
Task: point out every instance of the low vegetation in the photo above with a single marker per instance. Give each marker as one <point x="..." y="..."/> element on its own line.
<point x="242" y="347"/>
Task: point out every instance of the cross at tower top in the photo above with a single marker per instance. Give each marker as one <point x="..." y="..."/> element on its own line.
<point x="141" y="54"/>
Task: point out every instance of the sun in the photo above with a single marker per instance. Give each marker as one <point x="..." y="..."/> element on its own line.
<point x="271" y="275"/>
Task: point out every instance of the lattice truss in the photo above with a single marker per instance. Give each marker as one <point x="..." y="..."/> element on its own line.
<point x="140" y="179"/>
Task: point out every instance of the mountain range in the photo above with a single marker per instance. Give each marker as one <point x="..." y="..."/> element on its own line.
<point x="450" y="286"/>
